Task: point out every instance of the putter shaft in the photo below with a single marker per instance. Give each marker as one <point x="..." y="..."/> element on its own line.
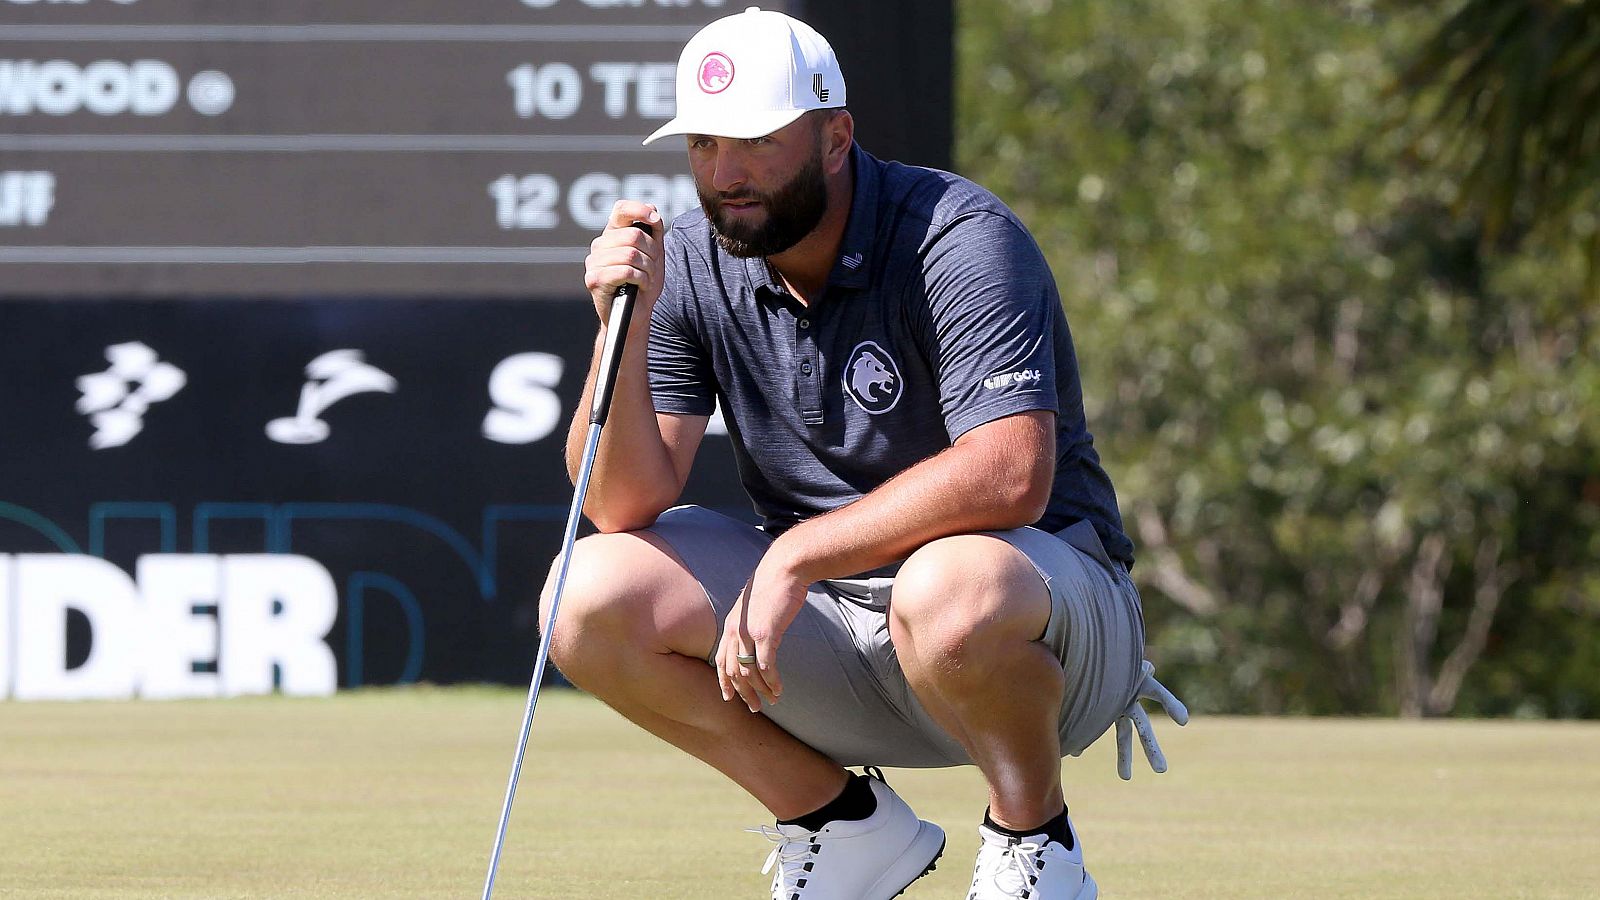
<point x="590" y="446"/>
<point x="599" y="408"/>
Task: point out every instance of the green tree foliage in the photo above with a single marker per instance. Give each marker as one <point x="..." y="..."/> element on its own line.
<point x="1512" y="90"/>
<point x="1357" y="443"/>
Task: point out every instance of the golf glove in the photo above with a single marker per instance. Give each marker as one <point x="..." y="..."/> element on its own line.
<point x="1134" y="719"/>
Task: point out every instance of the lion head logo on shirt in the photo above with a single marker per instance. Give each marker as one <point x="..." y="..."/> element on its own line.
<point x="872" y="379"/>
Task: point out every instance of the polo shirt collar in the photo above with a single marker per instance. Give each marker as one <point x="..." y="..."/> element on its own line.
<point x="762" y="276"/>
<point x="854" y="265"/>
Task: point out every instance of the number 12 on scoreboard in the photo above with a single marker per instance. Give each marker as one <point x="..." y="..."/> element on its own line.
<point x="525" y="202"/>
<point x="533" y="201"/>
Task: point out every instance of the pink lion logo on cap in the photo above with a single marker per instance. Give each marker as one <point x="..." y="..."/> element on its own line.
<point x="716" y="73"/>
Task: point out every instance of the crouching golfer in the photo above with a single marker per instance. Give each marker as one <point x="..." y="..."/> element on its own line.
<point x="941" y="578"/>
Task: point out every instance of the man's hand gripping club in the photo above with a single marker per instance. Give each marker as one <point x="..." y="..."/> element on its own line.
<point x="623" y="254"/>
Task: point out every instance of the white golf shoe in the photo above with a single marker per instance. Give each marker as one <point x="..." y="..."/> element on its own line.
<point x="875" y="858"/>
<point x="1032" y="868"/>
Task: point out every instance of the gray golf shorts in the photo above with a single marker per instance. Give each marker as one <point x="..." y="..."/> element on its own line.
<point x="843" y="691"/>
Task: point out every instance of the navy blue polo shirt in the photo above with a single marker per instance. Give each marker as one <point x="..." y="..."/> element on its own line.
<point x="939" y="316"/>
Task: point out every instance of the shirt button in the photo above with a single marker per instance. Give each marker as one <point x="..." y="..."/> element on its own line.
<point x="804" y="323"/>
<point x="805" y="368"/>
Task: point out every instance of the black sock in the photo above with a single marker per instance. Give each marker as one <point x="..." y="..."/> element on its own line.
<point x="1056" y="829"/>
<point x="854" y="803"/>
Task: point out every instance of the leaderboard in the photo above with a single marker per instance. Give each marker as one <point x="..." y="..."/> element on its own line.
<point x="278" y="148"/>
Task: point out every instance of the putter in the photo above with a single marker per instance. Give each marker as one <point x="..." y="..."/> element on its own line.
<point x="599" y="407"/>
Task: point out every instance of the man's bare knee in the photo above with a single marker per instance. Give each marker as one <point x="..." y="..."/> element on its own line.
<point x="623" y="593"/>
<point x="965" y="593"/>
<point x="597" y="600"/>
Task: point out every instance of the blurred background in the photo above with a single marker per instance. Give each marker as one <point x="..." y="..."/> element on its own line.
<point x="1334" y="269"/>
<point x="303" y="280"/>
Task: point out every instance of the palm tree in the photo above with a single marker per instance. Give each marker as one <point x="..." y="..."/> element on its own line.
<point x="1510" y="91"/>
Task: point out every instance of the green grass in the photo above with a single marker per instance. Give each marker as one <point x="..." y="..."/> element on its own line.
<point x="395" y="794"/>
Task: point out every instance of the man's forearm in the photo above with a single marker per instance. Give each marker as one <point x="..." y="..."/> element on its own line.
<point x="998" y="482"/>
<point x="633" y="478"/>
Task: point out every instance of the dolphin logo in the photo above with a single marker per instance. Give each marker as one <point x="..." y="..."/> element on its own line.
<point x="332" y="376"/>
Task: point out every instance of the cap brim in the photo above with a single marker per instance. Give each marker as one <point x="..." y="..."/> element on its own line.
<point x="746" y="125"/>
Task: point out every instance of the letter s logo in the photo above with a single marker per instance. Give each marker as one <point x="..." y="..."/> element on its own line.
<point x="526" y="408"/>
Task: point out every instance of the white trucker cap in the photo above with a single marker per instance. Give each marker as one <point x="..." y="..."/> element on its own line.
<point x="749" y="74"/>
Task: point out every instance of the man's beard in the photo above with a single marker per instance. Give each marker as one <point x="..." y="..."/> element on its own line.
<point x="792" y="211"/>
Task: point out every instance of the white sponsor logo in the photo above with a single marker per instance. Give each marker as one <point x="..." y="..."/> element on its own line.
<point x="332" y="376"/>
<point x="26" y="198"/>
<point x="117" y="399"/>
<point x="263" y="618"/>
<point x="872" y="379"/>
<point x="1021" y="376"/>
<point x="853" y="261"/>
<point x="526" y="408"/>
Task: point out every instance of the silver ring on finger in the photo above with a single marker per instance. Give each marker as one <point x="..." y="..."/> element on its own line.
<point x="745" y="660"/>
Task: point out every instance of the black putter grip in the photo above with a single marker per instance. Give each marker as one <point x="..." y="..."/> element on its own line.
<point x="611" y="354"/>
